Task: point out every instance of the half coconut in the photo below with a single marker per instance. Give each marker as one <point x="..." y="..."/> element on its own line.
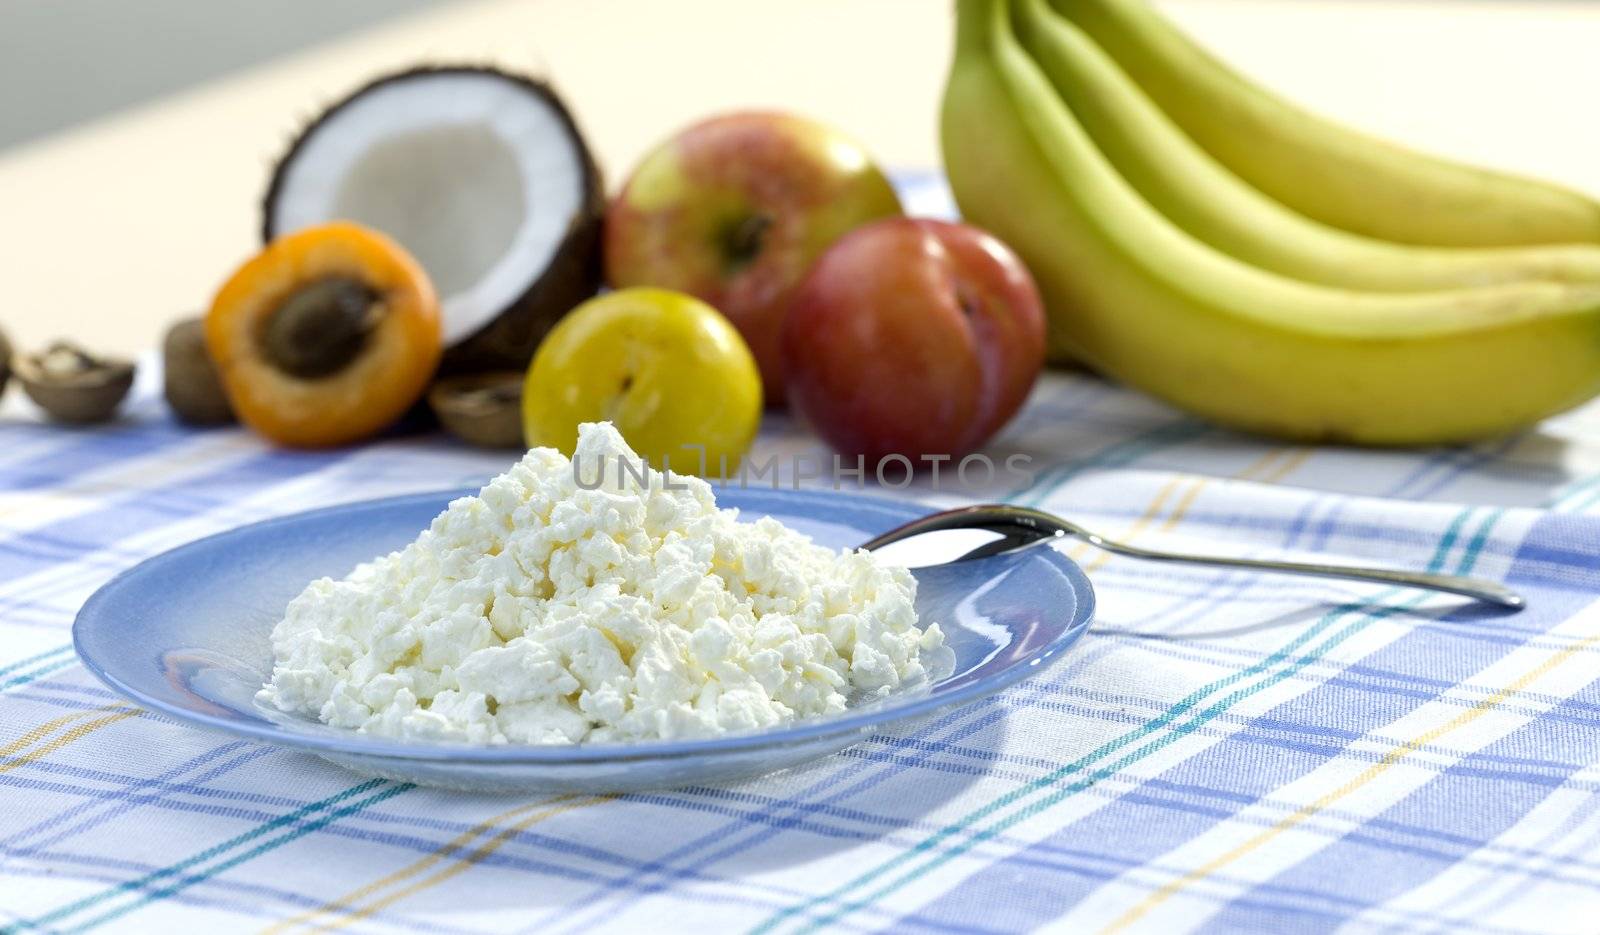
<point x="482" y="175"/>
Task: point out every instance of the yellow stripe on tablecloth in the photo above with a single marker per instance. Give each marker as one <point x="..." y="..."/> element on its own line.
<point x="1137" y="526"/>
<point x="1261" y="464"/>
<point x="1184" y="505"/>
<point x="118" y="713"/>
<point x="45" y="729"/>
<point x="345" y="910"/>
<point x="1289" y="466"/>
<point x="1389" y="759"/>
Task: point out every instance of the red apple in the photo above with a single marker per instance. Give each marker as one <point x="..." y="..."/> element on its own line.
<point x="913" y="337"/>
<point x="734" y="210"/>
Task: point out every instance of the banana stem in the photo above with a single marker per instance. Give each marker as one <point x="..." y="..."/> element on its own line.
<point x="975" y="25"/>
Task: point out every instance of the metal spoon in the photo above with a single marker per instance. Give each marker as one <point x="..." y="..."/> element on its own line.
<point x="1020" y="527"/>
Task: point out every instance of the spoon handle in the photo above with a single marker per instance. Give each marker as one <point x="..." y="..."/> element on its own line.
<point x="1020" y="527"/>
<point x="1487" y="591"/>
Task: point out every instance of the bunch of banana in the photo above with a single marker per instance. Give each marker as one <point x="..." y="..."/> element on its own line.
<point x="1180" y="224"/>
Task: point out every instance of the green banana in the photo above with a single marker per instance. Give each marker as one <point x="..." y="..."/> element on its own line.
<point x="1328" y="172"/>
<point x="1142" y="300"/>
<point x="1191" y="188"/>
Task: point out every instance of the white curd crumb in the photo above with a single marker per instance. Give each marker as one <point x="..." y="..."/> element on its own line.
<point x="542" y="612"/>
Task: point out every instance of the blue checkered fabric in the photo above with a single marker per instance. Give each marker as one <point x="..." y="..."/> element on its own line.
<point x="1225" y="752"/>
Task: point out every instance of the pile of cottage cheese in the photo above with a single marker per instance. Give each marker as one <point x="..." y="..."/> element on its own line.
<point x="541" y="611"/>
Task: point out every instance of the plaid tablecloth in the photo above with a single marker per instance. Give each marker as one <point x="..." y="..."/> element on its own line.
<point x="1225" y="752"/>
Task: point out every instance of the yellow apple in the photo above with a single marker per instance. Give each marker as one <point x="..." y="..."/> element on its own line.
<point x="665" y="368"/>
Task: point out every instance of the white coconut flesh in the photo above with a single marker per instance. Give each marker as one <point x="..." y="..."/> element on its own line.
<point x="474" y="174"/>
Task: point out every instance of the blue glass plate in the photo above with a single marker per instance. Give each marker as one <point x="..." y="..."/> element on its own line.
<point x="186" y="634"/>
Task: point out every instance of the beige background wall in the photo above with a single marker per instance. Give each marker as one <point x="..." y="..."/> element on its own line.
<point x="66" y="61"/>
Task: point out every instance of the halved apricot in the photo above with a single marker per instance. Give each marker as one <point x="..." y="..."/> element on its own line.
<point x="325" y="337"/>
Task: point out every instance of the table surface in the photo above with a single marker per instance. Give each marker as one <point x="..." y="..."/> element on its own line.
<point x="1222" y="752"/>
<point x="112" y="231"/>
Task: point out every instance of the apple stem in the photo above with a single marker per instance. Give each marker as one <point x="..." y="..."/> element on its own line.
<point x="744" y="240"/>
